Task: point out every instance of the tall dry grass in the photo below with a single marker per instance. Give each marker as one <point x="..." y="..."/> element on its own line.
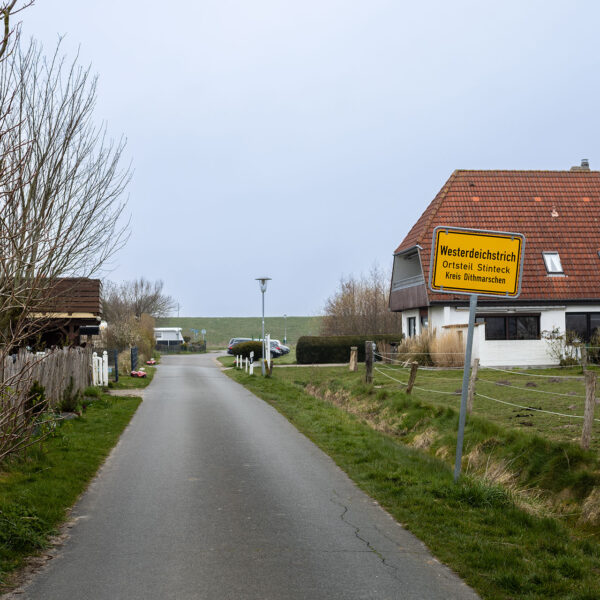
<point x="430" y="349"/>
<point x="448" y="349"/>
<point x="417" y="349"/>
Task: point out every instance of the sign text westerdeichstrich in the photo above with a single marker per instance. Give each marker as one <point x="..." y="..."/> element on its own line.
<point x="472" y="261"/>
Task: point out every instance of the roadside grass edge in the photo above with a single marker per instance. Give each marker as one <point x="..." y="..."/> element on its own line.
<point x="39" y="487"/>
<point x="499" y="549"/>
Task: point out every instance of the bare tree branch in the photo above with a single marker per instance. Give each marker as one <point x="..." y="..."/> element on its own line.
<point x="360" y="307"/>
<point x="62" y="188"/>
<point x="6" y="10"/>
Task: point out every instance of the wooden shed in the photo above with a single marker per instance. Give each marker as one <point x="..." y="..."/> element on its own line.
<point x="73" y="309"/>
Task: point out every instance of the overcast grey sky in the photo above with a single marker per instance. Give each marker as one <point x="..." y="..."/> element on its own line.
<point x="301" y="140"/>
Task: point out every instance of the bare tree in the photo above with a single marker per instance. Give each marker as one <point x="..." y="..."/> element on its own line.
<point x="61" y="194"/>
<point x="135" y="298"/>
<point x="360" y="307"/>
<point x="66" y="202"/>
<point x="61" y="186"/>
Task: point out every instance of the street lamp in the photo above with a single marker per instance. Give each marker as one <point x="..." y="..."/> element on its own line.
<point x="263" y="288"/>
<point x="285" y="329"/>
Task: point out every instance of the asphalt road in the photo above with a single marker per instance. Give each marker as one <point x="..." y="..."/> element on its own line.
<point x="211" y="494"/>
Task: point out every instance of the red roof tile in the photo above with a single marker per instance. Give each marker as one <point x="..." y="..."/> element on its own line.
<point x="525" y="202"/>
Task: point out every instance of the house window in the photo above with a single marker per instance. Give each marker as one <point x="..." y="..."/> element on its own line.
<point x="412" y="326"/>
<point x="510" y="327"/>
<point x="157" y="335"/>
<point x="582" y="325"/>
<point x="552" y="262"/>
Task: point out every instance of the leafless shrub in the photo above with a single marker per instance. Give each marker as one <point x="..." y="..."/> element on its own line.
<point x="130" y="331"/>
<point x="361" y="307"/>
<point x="130" y="309"/>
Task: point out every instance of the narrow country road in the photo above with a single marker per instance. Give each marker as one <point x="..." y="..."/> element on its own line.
<point x="212" y="495"/>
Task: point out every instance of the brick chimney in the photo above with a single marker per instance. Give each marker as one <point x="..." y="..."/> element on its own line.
<point x="585" y="165"/>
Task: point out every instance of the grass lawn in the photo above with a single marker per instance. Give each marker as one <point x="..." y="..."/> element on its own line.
<point x="38" y="488"/>
<point x="127" y="382"/>
<point x="219" y="330"/>
<point x="532" y="391"/>
<point x="400" y="450"/>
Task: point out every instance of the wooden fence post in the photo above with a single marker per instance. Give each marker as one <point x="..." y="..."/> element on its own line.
<point x="394" y="353"/>
<point x="472" y="386"/>
<point x="354" y="358"/>
<point x="411" y="378"/>
<point x="369" y="362"/>
<point x="590" y="404"/>
<point x="584" y="358"/>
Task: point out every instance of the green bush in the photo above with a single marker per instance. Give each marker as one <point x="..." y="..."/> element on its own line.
<point x="71" y="398"/>
<point x="245" y="348"/>
<point x="92" y="391"/>
<point x="36" y="399"/>
<point x="336" y="348"/>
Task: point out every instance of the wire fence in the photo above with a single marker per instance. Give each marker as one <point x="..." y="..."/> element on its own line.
<point x="556" y="399"/>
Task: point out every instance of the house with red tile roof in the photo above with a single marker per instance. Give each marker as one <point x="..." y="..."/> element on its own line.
<point x="558" y="212"/>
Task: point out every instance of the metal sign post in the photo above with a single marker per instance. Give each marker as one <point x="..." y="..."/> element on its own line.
<point x="478" y="263"/>
<point x="465" y="386"/>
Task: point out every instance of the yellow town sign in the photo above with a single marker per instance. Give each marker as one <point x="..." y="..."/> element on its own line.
<point x="475" y="261"/>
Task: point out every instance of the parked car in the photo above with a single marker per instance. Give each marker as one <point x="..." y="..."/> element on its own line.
<point x="235" y="341"/>
<point x="283" y="349"/>
<point x="276" y="350"/>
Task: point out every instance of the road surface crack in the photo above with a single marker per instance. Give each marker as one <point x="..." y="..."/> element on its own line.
<point x="365" y="541"/>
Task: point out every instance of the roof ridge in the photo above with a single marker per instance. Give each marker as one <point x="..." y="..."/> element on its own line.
<point x="523" y="171"/>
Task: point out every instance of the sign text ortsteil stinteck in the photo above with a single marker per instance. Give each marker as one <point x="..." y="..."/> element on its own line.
<point x="472" y="261"/>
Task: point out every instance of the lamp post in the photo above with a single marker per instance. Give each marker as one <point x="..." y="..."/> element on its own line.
<point x="285" y="329"/>
<point x="263" y="288"/>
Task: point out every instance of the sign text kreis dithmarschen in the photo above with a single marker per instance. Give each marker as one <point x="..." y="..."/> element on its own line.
<point x="471" y="261"/>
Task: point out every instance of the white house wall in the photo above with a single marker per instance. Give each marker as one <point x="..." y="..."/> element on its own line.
<point x="406" y="314"/>
<point x="584" y="308"/>
<point x="504" y="352"/>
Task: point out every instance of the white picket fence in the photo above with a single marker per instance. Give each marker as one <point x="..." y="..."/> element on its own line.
<point x="100" y="369"/>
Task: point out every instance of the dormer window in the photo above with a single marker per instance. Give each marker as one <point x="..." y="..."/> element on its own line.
<point x="552" y="262"/>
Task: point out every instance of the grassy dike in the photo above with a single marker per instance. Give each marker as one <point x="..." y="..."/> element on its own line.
<point x="500" y="549"/>
<point x="38" y="489"/>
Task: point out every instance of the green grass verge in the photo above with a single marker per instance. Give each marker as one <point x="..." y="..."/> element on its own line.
<point x="543" y="456"/>
<point x="501" y="550"/>
<point x="127" y="382"/>
<point x="38" y="488"/>
<point x="219" y="330"/>
<point x="533" y="390"/>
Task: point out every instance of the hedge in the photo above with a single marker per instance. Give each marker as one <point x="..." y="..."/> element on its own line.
<point x="336" y="348"/>
<point x="245" y="348"/>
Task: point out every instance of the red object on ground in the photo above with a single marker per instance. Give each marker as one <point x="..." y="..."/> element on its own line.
<point x="151" y="362"/>
<point x="138" y="373"/>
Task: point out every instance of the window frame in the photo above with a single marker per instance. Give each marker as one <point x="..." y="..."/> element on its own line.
<point x="506" y="317"/>
<point x="548" y="254"/>
<point x="588" y="318"/>
<point x="411" y="323"/>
